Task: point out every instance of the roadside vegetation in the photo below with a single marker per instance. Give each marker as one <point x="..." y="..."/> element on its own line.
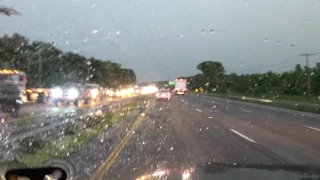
<point x="288" y="89"/>
<point x="19" y="53"/>
<point x="287" y="86"/>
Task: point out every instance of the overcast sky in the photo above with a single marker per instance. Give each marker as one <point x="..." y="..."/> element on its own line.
<point x="165" y="39"/>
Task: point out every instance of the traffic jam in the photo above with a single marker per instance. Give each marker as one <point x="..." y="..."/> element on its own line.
<point x="15" y="94"/>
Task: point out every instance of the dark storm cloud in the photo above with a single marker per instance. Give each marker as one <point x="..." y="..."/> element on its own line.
<point x="168" y="38"/>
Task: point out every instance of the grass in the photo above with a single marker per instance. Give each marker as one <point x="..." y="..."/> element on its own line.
<point x="290" y="98"/>
<point x="71" y="143"/>
<point x="273" y="103"/>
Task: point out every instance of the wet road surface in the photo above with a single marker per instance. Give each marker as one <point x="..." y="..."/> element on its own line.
<point x="191" y="129"/>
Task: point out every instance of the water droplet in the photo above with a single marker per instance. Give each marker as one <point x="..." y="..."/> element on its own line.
<point x="266" y="39"/>
<point x="181" y="36"/>
<point x="94" y="31"/>
<point x="203" y="31"/>
<point x="171" y="148"/>
<point x="161" y="35"/>
<point x="66" y="32"/>
<point x="160" y="127"/>
<point x="240" y="65"/>
<point x="67" y="42"/>
<point x="85" y="40"/>
<point x="93" y="5"/>
<point x="101" y="140"/>
<point x="292" y="46"/>
<point x="212" y="31"/>
<point x="143" y="142"/>
<point x="118" y="33"/>
<point x="278" y="42"/>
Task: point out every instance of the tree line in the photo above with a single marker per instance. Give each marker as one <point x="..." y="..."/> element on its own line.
<point x="55" y="67"/>
<point x="214" y="79"/>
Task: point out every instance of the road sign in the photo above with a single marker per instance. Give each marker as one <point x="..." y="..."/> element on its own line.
<point x="172" y="83"/>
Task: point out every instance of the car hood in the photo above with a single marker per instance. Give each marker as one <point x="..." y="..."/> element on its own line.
<point x="235" y="171"/>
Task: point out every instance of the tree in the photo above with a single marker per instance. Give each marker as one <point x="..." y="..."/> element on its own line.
<point x="211" y="68"/>
<point x="58" y="67"/>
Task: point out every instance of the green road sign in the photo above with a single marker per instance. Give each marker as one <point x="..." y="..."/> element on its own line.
<point x="172" y="83"/>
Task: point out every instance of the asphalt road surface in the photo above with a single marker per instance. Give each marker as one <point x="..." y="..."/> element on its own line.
<point x="192" y="129"/>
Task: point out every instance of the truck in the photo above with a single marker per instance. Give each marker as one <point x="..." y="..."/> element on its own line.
<point x="180" y="87"/>
<point x="12" y="91"/>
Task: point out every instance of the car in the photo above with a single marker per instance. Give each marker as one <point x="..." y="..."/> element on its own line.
<point x="69" y="92"/>
<point x="163" y="94"/>
<point x="93" y="92"/>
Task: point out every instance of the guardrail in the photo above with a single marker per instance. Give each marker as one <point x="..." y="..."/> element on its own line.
<point x="280" y="102"/>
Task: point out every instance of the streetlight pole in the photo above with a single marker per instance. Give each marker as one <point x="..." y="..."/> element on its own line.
<point x="39" y="56"/>
<point x="88" y="70"/>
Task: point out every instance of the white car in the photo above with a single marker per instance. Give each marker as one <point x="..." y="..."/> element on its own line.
<point x="164" y="94"/>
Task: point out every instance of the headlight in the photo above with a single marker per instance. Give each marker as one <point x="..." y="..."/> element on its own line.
<point x="56" y="93"/>
<point x="72" y="94"/>
<point x="94" y="93"/>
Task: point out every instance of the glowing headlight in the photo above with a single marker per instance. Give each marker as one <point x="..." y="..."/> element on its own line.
<point x="72" y="93"/>
<point x="94" y="93"/>
<point x="56" y="93"/>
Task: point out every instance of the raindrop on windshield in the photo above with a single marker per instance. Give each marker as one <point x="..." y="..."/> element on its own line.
<point x="94" y="31"/>
<point x="292" y="46"/>
<point x="93" y="5"/>
<point x="212" y="31"/>
<point x="266" y="39"/>
<point x="181" y="36"/>
<point x="118" y="33"/>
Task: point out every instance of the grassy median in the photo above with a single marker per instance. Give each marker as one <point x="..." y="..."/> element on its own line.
<point x="74" y="141"/>
<point x="294" y="105"/>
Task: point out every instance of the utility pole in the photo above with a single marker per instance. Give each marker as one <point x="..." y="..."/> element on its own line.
<point x="39" y="56"/>
<point x="308" y="72"/>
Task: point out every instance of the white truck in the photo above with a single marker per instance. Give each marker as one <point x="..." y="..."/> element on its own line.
<point x="12" y="91"/>
<point x="180" y="87"/>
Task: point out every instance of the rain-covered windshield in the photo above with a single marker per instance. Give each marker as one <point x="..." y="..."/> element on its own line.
<point x="153" y="89"/>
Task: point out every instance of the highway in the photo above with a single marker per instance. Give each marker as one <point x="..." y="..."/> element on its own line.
<point x="194" y="129"/>
<point x="184" y="132"/>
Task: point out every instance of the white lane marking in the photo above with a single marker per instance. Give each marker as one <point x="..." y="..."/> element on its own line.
<point x="198" y="110"/>
<point x="245" y="111"/>
<point x="243" y="136"/>
<point x="317" y="129"/>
